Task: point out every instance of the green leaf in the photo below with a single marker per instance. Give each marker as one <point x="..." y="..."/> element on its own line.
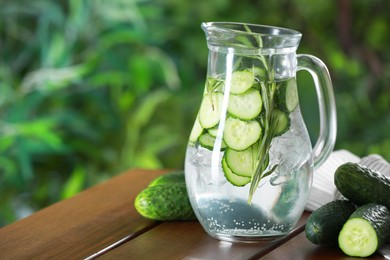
<point x="143" y="114"/>
<point x="141" y="73"/>
<point x="74" y="184"/>
<point x="24" y="159"/>
<point x="52" y="79"/>
<point x="57" y="52"/>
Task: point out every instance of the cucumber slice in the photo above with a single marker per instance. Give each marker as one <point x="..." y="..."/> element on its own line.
<point x="213" y="131"/>
<point x="234" y="179"/>
<point x="287" y="95"/>
<point x="358" y="238"/>
<point x="241" y="81"/>
<point x="210" y="109"/>
<point x="239" y="135"/>
<point x="282" y="121"/>
<point x="245" y="106"/>
<point x="240" y="162"/>
<point x="207" y="141"/>
<point x="365" y="231"/>
<point x="259" y="73"/>
<point x="196" y="131"/>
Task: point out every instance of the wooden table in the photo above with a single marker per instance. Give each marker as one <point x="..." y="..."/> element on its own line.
<point x="102" y="223"/>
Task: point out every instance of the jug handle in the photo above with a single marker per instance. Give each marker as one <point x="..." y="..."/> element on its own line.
<point x="327" y="106"/>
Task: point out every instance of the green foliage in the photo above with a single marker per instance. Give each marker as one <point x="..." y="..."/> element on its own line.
<point x="92" y="88"/>
<point x="77" y="102"/>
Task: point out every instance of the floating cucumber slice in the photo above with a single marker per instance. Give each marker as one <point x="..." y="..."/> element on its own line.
<point x="213" y="131"/>
<point x="234" y="179"/>
<point x="287" y="95"/>
<point x="239" y="134"/>
<point x="240" y="162"/>
<point x="241" y="81"/>
<point x="245" y="106"/>
<point x="196" y="131"/>
<point x="282" y="122"/>
<point x="207" y="141"/>
<point x="210" y="109"/>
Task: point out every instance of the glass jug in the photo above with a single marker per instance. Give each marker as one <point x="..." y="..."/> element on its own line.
<point x="249" y="160"/>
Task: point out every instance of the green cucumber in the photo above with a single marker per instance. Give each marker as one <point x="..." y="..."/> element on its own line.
<point x="213" y="131"/>
<point x="241" y="81"/>
<point x="286" y="95"/>
<point x="245" y="106"/>
<point x="196" y="131"/>
<point x="165" y="203"/>
<point x="366" y="230"/>
<point x="282" y="122"/>
<point x="239" y="134"/>
<point x="173" y="177"/>
<point x="362" y="185"/>
<point x="241" y="162"/>
<point x="260" y="73"/>
<point x="324" y="224"/>
<point x="206" y="140"/>
<point x="210" y="109"/>
<point x="233" y="178"/>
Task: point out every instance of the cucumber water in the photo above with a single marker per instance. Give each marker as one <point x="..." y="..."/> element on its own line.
<point x="224" y="153"/>
<point x="244" y="123"/>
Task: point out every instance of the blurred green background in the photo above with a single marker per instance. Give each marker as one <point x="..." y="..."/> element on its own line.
<point x="91" y="88"/>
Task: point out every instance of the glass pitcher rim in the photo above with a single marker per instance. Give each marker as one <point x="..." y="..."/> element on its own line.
<point x="223" y="26"/>
<point x="249" y="38"/>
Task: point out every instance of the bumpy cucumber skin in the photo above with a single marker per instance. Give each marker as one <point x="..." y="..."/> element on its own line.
<point x="166" y="202"/>
<point x="379" y="218"/>
<point x="324" y="224"/>
<point x="362" y="185"/>
<point x="169" y="178"/>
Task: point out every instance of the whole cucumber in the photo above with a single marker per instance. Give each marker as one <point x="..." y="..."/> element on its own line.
<point x="362" y="185"/>
<point x="165" y="203"/>
<point x="324" y="224"/>
<point x="165" y="198"/>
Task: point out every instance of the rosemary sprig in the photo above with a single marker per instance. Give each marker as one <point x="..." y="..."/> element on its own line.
<point x="268" y="88"/>
<point x="211" y="85"/>
<point x="270" y="123"/>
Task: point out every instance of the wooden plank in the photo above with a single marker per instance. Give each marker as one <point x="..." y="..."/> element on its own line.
<point x="80" y="226"/>
<point x="187" y="240"/>
<point x="301" y="248"/>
